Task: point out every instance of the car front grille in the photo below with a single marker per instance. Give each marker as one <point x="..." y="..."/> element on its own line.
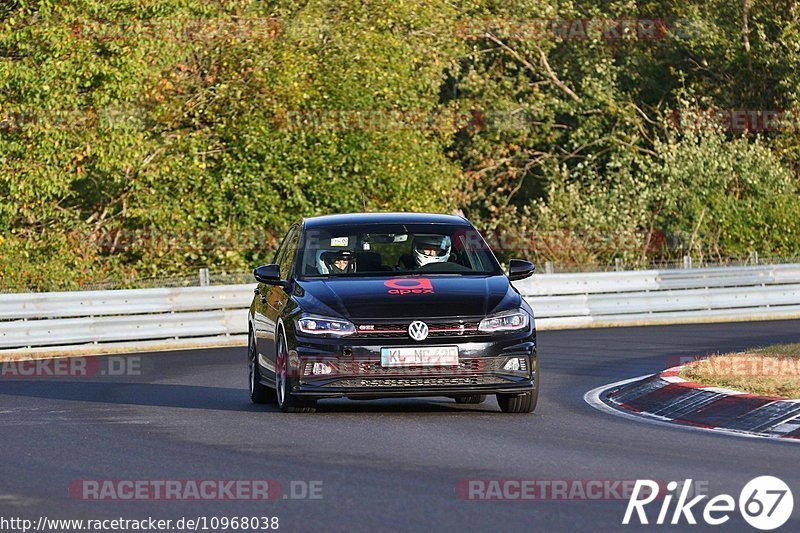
<point x="473" y="365"/>
<point x="436" y="329"/>
<point x="470" y="371"/>
<point x="420" y="381"/>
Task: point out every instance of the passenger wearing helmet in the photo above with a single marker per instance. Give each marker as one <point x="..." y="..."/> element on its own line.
<point x="428" y="249"/>
<point x="338" y="262"/>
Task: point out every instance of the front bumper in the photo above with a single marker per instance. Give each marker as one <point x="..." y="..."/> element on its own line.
<point x="310" y="391"/>
<point x="357" y="370"/>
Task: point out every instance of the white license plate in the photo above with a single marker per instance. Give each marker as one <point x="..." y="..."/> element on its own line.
<point x="419" y="356"/>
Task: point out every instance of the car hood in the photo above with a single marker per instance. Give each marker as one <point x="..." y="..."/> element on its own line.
<point x="413" y="297"/>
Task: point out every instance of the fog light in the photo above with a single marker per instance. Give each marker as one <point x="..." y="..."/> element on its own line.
<point x="321" y="368"/>
<point x="512" y="364"/>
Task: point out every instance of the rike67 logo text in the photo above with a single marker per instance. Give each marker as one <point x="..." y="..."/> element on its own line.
<point x="765" y="502"/>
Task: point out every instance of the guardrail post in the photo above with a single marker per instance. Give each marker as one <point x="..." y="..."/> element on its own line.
<point x="204" y="280"/>
<point x="548" y="267"/>
<point x="618" y="264"/>
<point x="687" y="261"/>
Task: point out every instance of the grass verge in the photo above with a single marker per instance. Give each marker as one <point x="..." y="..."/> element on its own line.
<point x="768" y="371"/>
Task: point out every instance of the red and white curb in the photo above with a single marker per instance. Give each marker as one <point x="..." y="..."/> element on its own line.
<point x="667" y="399"/>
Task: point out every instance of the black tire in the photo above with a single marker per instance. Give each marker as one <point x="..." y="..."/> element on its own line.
<point x="259" y="393"/>
<point x="472" y="398"/>
<point x="284" y="383"/>
<point x="520" y="403"/>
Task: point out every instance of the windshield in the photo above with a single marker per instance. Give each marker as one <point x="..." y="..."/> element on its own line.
<point x="390" y="249"/>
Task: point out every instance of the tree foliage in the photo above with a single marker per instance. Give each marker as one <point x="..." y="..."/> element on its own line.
<point x="149" y="138"/>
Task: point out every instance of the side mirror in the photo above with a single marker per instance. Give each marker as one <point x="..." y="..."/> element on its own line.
<point x="519" y="269"/>
<point x="269" y="274"/>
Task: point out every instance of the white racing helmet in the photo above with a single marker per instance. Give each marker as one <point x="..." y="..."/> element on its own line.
<point x="439" y="243"/>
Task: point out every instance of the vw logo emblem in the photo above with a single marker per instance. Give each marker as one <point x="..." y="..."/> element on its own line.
<point x="418" y="330"/>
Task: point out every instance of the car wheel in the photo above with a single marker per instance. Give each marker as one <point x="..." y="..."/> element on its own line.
<point x="520" y="403"/>
<point x="259" y="393"/>
<point x="472" y="398"/>
<point x="284" y="383"/>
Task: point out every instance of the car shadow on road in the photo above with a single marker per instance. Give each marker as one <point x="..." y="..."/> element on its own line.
<point x="146" y="394"/>
<point x="213" y="398"/>
<point x="399" y="405"/>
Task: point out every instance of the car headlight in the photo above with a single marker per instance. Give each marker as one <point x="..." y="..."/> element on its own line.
<point x="506" y="321"/>
<point x="320" y="325"/>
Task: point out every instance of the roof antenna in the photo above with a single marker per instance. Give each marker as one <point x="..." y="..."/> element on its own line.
<point x="364" y="200"/>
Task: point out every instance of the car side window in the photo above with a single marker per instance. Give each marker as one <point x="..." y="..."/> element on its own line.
<point x="288" y="252"/>
<point x="281" y="247"/>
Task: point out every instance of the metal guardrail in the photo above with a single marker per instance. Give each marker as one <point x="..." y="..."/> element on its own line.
<point x="73" y="318"/>
<point x="207" y="315"/>
<point x="663" y="296"/>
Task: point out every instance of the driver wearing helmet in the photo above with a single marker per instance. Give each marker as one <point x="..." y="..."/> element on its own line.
<point x="339" y="262"/>
<point x="429" y="249"/>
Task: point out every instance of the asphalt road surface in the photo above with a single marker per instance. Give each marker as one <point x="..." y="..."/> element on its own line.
<point x="389" y="465"/>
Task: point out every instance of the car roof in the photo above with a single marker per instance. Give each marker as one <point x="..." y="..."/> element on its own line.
<point x="383" y="218"/>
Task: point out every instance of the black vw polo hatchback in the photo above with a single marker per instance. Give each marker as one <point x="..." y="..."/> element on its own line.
<point x="379" y="305"/>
